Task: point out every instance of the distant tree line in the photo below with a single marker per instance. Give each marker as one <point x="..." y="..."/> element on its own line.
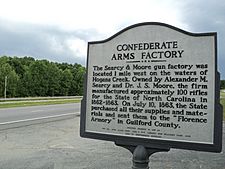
<point x="29" y="77"/>
<point x="222" y="84"/>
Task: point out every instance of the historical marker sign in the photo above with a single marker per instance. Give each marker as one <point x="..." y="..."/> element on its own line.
<point x="154" y="84"/>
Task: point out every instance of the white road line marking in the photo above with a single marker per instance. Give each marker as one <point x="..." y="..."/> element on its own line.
<point x="38" y="118"/>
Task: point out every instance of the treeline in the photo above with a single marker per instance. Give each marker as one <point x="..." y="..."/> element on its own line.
<point x="27" y="77"/>
<point x="222" y="84"/>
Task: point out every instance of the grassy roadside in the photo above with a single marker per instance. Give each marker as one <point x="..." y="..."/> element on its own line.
<point x="222" y="94"/>
<point x="36" y="102"/>
<point x="222" y="101"/>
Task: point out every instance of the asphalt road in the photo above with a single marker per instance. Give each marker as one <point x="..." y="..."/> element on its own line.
<point x="57" y="145"/>
<point x="24" y="113"/>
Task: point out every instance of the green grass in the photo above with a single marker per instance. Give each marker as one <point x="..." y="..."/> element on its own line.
<point x="39" y="98"/>
<point x="37" y="102"/>
<point x="222" y="101"/>
<point x="222" y="94"/>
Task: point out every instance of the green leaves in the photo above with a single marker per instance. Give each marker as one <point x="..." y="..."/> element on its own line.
<point x="222" y="84"/>
<point x="8" y="76"/>
<point x="29" y="77"/>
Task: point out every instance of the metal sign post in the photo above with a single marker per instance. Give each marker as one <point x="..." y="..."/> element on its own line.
<point x="141" y="155"/>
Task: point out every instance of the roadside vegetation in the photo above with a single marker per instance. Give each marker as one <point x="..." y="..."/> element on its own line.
<point x="27" y="77"/>
<point x="222" y="96"/>
<point x="37" y="102"/>
<point x="222" y="101"/>
<point x="29" y="82"/>
<point x="222" y="84"/>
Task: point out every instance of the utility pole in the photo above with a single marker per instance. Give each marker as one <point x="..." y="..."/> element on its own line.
<point x="5" y="85"/>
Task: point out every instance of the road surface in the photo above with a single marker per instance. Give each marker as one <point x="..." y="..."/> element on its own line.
<point x="57" y="145"/>
<point x="24" y="113"/>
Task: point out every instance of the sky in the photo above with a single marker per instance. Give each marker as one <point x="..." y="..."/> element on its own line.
<point x="58" y="30"/>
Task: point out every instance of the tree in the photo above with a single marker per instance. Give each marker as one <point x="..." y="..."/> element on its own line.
<point x="29" y="77"/>
<point x="16" y="64"/>
<point x="39" y="77"/>
<point x="8" y="75"/>
<point x="53" y="73"/>
<point x="65" y="82"/>
<point x="222" y="84"/>
<point x="78" y="72"/>
<point x="25" y="84"/>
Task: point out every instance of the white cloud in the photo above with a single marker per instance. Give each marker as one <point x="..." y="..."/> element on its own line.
<point x="104" y="16"/>
<point x="78" y="47"/>
<point x="56" y="45"/>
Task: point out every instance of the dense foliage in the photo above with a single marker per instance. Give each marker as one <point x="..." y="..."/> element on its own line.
<point x="29" y="77"/>
<point x="222" y="84"/>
